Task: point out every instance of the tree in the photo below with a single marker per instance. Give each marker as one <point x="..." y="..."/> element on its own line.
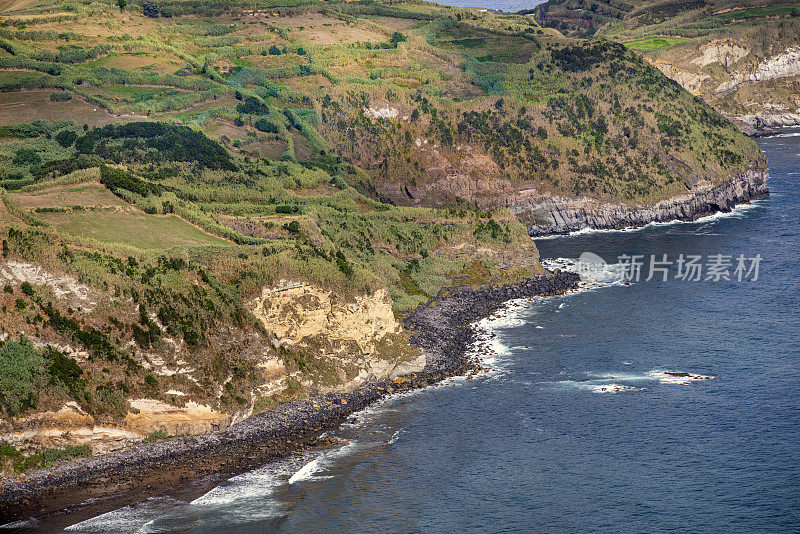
<point x="150" y="9"/>
<point x="22" y="376"/>
<point x="252" y="106"/>
<point x="27" y="288"/>
<point x="274" y="51"/>
<point x="266" y="126"/>
<point x="66" y="138"/>
<point x="26" y="156"/>
<point x="344" y="265"/>
<point x="122" y="4"/>
<point x="292" y="227"/>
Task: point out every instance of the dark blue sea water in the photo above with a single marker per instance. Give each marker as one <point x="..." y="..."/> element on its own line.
<point x="578" y="428"/>
<point x="510" y="6"/>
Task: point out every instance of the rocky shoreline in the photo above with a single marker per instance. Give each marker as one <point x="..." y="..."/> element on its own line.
<point x="442" y="328"/>
<point x="765" y="124"/>
<point x="562" y="215"/>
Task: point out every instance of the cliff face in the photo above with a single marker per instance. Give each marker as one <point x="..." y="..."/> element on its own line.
<point x="559" y="215"/>
<point x="71" y="426"/>
<point x="753" y="88"/>
<point x="339" y="345"/>
<point x="741" y="57"/>
<point x="783" y="65"/>
<point x="328" y="345"/>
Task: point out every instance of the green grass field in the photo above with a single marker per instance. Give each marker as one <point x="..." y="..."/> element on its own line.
<point x="9" y="77"/>
<point x="653" y="43"/>
<point x="132" y="228"/>
<point x="91" y="194"/>
<point x="138" y="60"/>
<point x="485" y="46"/>
<point x="755" y="13"/>
<point x="135" y="93"/>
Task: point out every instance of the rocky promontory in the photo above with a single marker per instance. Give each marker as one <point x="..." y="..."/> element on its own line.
<point x="764" y="122"/>
<point x="561" y="215"/>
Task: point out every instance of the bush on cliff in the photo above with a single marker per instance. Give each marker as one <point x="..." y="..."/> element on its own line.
<point x="22" y="376"/>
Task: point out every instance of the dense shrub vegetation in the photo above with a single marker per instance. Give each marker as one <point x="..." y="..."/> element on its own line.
<point x="168" y="143"/>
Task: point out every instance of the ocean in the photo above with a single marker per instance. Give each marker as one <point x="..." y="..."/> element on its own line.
<point x="509" y="6"/>
<point x="625" y="406"/>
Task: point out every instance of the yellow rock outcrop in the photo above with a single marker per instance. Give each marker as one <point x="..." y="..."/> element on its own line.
<point x="332" y="344"/>
<point x="150" y="415"/>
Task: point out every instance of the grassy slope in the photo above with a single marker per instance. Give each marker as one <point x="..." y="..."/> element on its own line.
<point x="291" y="180"/>
<point x="130" y="228"/>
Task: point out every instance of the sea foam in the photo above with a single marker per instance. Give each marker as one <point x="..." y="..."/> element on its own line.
<point x="131" y="518"/>
<point x="626" y="381"/>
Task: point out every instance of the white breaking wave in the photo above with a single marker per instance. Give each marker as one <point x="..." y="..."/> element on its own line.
<point x="605" y="275"/>
<point x="596" y="386"/>
<point x="488" y="348"/>
<point x="311" y="470"/>
<point x="19" y="525"/>
<point x="131" y="518"/>
<point x="792" y="134"/>
<point x="608" y="388"/>
<point x="619" y="382"/>
<point x="255" y="484"/>
<point x="394" y="437"/>
<point x="490" y="352"/>
<point x="306" y="472"/>
<point x="676" y="377"/>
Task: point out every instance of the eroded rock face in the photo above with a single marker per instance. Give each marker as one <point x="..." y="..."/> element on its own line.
<point x="738" y="89"/>
<point x="768" y="118"/>
<point x="465" y="172"/>
<point x="63" y="286"/>
<point x="68" y="426"/>
<point x="560" y="215"/>
<point x="724" y="52"/>
<point x="783" y="65"/>
<point x="150" y="415"/>
<point x="336" y="345"/>
<point x="688" y="80"/>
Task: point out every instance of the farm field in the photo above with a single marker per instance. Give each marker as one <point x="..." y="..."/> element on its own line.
<point x="141" y="61"/>
<point x="132" y="228"/>
<point x="35" y="105"/>
<point x="88" y="194"/>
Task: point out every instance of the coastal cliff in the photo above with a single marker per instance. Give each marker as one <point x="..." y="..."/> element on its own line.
<point x="741" y="57"/>
<point x="341" y="345"/>
<point x="442" y="329"/>
<point x="560" y="215"/>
